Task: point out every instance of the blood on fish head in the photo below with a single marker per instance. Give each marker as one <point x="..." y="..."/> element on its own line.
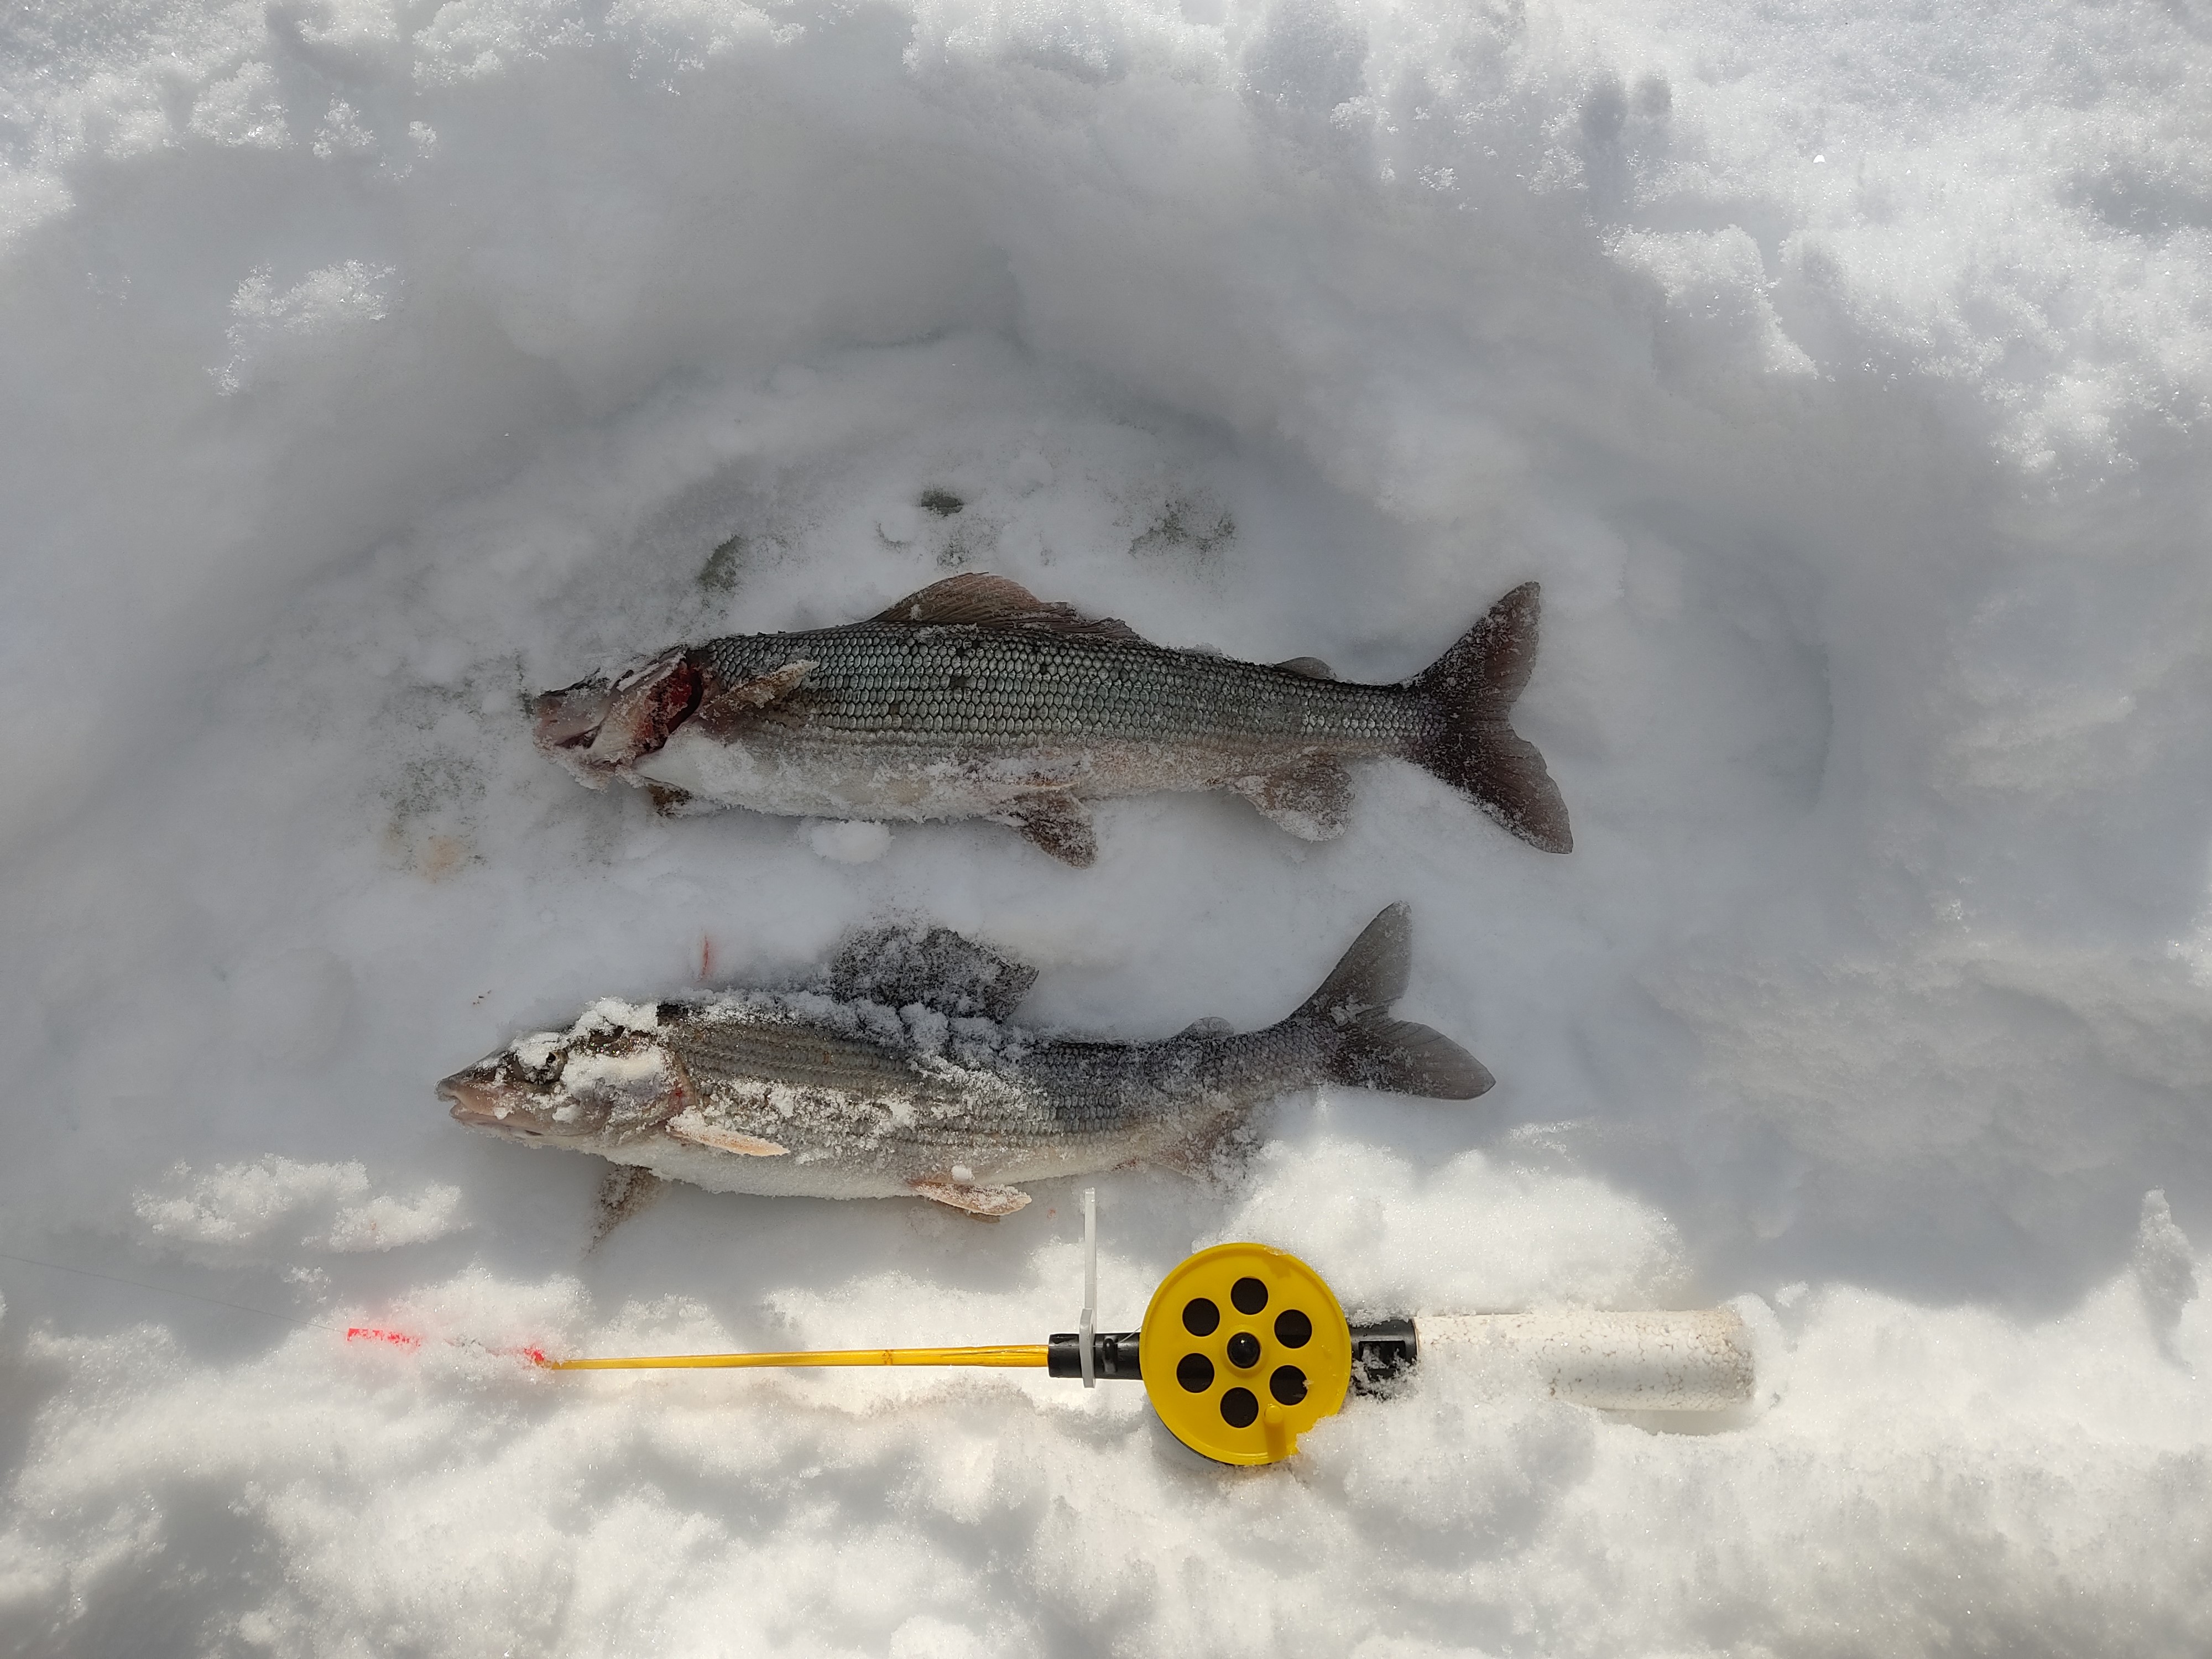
<point x="607" y="1080"/>
<point x="598" y="727"/>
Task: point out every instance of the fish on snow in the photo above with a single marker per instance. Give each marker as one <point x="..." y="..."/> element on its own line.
<point x="899" y="1073"/>
<point x="973" y="698"/>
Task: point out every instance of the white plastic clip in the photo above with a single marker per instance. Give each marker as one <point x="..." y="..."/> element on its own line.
<point x="1087" y="1326"/>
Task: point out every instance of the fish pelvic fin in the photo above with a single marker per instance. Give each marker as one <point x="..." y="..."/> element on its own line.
<point x="988" y="1203"/>
<point x="1056" y="823"/>
<point x="1368" y="1049"/>
<point x="1471" y="745"/>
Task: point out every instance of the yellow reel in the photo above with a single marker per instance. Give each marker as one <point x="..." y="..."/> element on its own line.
<point x="1244" y="1349"/>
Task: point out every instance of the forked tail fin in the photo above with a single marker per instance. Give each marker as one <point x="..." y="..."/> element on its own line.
<point x="1374" y="1051"/>
<point x="1471" y="746"/>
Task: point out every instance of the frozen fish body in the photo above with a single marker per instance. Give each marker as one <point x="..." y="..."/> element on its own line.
<point x="841" y="1091"/>
<point x="973" y="698"/>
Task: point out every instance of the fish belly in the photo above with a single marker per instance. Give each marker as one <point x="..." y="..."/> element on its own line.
<point x="765" y="1177"/>
<point x="788" y="774"/>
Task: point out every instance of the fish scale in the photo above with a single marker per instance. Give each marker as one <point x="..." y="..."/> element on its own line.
<point x="1005" y="1088"/>
<point x="930" y="685"/>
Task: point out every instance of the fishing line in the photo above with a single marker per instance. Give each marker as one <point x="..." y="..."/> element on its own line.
<point x="165" y="1290"/>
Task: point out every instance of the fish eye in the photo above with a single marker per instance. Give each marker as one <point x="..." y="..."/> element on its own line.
<point x="543" y="1074"/>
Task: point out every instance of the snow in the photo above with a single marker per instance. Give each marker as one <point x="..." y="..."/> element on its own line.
<point x="1843" y="373"/>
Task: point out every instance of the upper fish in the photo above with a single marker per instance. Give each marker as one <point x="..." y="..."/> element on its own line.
<point x="899" y="1073"/>
<point x="973" y="698"/>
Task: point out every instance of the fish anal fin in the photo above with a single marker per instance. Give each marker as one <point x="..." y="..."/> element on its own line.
<point x="1312" y="668"/>
<point x="978" y="599"/>
<point x="989" y="1202"/>
<point x="1057" y="823"/>
<point x="932" y="966"/>
<point x="723" y="709"/>
<point x="1312" y="798"/>
<point x="694" y="1128"/>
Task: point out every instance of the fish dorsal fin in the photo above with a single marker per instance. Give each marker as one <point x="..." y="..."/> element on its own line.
<point x="933" y="966"/>
<point x="1211" y="1026"/>
<point x="1312" y="667"/>
<point x="981" y="600"/>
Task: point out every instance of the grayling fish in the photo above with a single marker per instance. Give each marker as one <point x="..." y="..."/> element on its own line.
<point x="898" y="1074"/>
<point x="974" y="699"/>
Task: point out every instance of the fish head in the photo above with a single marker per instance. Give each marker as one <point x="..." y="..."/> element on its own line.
<point x="601" y="726"/>
<point x="609" y="1079"/>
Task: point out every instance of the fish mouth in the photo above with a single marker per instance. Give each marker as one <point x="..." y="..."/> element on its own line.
<point x="598" y="728"/>
<point x="570" y="718"/>
<point x="481" y="1105"/>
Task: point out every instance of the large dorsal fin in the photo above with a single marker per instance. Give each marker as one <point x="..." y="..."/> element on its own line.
<point x="934" y="966"/>
<point x="981" y="600"/>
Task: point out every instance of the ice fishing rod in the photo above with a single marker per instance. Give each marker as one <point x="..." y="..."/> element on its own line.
<point x="1244" y="1347"/>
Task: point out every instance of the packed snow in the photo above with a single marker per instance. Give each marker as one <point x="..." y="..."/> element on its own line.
<point x="1842" y="372"/>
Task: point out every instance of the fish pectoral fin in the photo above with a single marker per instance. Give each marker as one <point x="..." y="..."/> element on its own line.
<point x="992" y="1201"/>
<point x="673" y="802"/>
<point x="1312" y="667"/>
<point x="1057" y="823"/>
<point x="1311" y="799"/>
<point x="693" y="1128"/>
<point x="724" y="707"/>
<point x="628" y="1190"/>
<point x="981" y="600"/>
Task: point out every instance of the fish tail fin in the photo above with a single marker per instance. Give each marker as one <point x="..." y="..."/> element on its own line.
<point x="1368" y="1049"/>
<point x="1471" y="745"/>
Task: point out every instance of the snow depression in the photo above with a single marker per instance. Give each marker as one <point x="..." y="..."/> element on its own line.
<point x="1843" y="374"/>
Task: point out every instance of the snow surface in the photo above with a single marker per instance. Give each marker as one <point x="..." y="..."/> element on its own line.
<point x="1842" y="372"/>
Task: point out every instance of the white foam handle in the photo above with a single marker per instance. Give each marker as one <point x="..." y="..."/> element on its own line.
<point x="1697" y="1361"/>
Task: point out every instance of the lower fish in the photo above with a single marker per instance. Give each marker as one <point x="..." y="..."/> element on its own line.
<point x="900" y="1073"/>
<point x="974" y="698"/>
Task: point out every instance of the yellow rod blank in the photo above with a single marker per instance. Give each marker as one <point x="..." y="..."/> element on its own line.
<point x="1031" y="1354"/>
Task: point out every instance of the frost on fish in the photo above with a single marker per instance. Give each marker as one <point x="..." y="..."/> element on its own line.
<point x="973" y="698"/>
<point x="899" y="1071"/>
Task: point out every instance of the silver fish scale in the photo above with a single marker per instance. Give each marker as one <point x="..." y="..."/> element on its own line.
<point x="1013" y="686"/>
<point x="1001" y="1093"/>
